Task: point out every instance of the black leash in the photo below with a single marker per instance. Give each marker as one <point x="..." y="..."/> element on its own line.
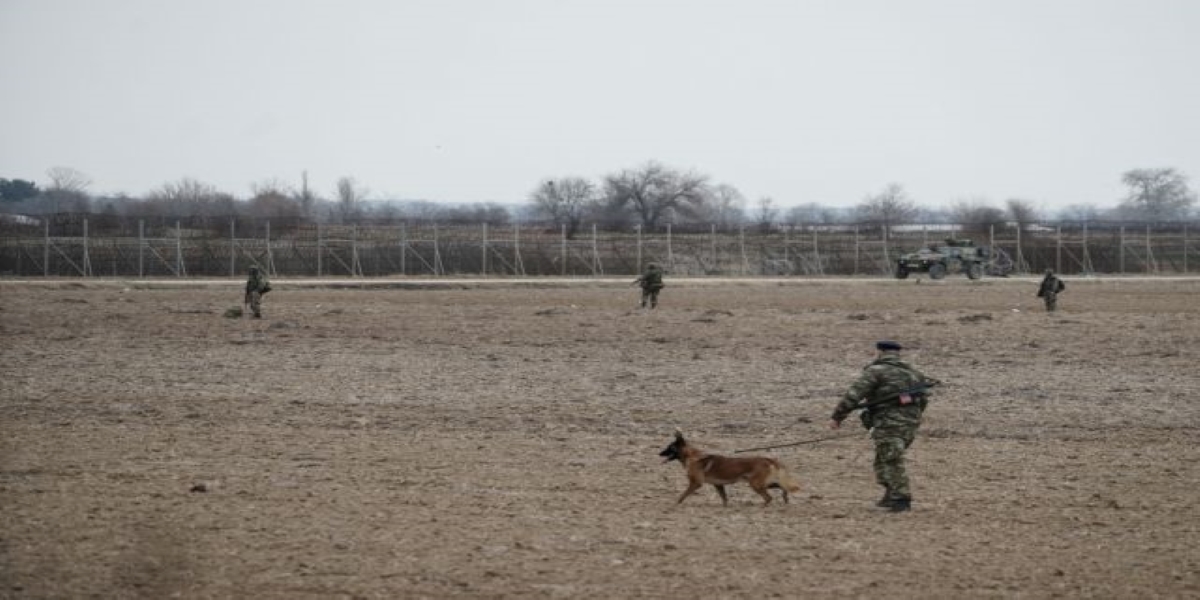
<point x="801" y="443"/>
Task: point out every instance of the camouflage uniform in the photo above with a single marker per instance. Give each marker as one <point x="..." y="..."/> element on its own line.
<point x="893" y="421"/>
<point x="256" y="286"/>
<point x="1049" y="289"/>
<point x="651" y="282"/>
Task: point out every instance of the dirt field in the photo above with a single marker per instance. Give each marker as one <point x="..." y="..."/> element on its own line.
<point x="501" y="441"/>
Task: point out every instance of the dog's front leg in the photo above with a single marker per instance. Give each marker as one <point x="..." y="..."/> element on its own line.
<point x="691" y="488"/>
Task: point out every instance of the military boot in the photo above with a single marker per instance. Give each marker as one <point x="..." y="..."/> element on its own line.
<point x="900" y="504"/>
<point x="886" y="500"/>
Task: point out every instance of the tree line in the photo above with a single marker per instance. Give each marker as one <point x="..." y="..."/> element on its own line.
<point x="648" y="196"/>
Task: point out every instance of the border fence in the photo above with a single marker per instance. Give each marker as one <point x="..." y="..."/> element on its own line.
<point x="89" y="245"/>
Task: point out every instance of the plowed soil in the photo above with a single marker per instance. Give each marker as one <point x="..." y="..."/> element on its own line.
<point x="500" y="440"/>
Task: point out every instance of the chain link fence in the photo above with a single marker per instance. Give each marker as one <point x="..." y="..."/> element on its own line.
<point x="89" y="245"/>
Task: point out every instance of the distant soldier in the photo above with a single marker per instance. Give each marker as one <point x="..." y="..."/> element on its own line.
<point x="256" y="286"/>
<point x="1049" y="290"/>
<point x="894" y="396"/>
<point x="651" y="282"/>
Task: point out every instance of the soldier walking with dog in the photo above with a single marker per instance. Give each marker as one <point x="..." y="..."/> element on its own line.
<point x="256" y="285"/>
<point x="892" y="394"/>
<point x="1049" y="290"/>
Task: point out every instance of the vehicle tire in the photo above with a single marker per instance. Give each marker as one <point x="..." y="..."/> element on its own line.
<point x="937" y="271"/>
<point x="974" y="271"/>
<point x="901" y="272"/>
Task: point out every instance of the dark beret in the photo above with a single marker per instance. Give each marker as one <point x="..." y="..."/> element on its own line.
<point x="887" y="345"/>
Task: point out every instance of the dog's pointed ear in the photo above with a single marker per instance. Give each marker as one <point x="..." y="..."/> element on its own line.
<point x="678" y="435"/>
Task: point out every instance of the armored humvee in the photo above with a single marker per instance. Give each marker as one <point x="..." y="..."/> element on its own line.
<point x="940" y="258"/>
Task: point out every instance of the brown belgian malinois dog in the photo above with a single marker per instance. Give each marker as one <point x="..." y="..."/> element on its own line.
<point x="760" y="472"/>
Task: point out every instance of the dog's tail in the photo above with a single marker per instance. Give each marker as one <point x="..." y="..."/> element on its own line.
<point x="784" y="479"/>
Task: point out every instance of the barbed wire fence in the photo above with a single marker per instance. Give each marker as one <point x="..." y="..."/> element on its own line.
<point x="76" y="245"/>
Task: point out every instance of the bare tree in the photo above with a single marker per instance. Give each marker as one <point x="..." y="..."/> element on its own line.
<point x="67" y="179"/>
<point x="565" y="201"/>
<point x="928" y="215"/>
<point x="1081" y="213"/>
<point x="189" y="197"/>
<point x="271" y="187"/>
<point x="305" y="196"/>
<point x="766" y="214"/>
<point x="1157" y="195"/>
<point x="1022" y="212"/>
<point x="273" y="198"/>
<point x="977" y="215"/>
<point x="67" y="191"/>
<point x="388" y="212"/>
<point x="725" y="208"/>
<point x="491" y="213"/>
<point x="809" y="214"/>
<point x="421" y="210"/>
<point x="654" y="192"/>
<point x="349" y="198"/>
<point x="887" y="208"/>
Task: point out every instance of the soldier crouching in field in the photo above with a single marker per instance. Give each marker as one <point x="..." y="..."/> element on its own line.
<point x="256" y="286"/>
<point x="892" y="394"/>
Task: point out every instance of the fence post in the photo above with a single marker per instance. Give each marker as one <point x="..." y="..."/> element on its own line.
<point x="178" y="250"/>
<point x="483" y="250"/>
<point x="403" y="250"/>
<point x="563" y="236"/>
<point x="670" y="254"/>
<point x="742" y="248"/>
<point x="141" y="248"/>
<point x="856" y="249"/>
<point x="232" y="246"/>
<point x="596" y="266"/>
<point x="438" y="269"/>
<point x="887" y="257"/>
<point x="992" y="235"/>
<point x="1185" y="249"/>
<point x="1058" y="250"/>
<point x="1020" y="255"/>
<point x="1087" y="258"/>
<point x="355" y="265"/>
<point x="817" y="253"/>
<point x="1151" y="266"/>
<point x="518" y="264"/>
<point x="270" y="255"/>
<point x="785" y="248"/>
<point x="46" y="251"/>
<point x="712" y="241"/>
<point x="320" y="252"/>
<point x="87" y="256"/>
<point x="1121" y="253"/>
<point x="638" y="228"/>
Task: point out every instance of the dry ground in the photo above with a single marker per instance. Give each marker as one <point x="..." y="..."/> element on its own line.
<point x="500" y="441"/>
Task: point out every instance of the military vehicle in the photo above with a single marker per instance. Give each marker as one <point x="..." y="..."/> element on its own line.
<point x="940" y="258"/>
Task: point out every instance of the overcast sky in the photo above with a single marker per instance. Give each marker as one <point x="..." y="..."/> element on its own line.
<point x="481" y="100"/>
